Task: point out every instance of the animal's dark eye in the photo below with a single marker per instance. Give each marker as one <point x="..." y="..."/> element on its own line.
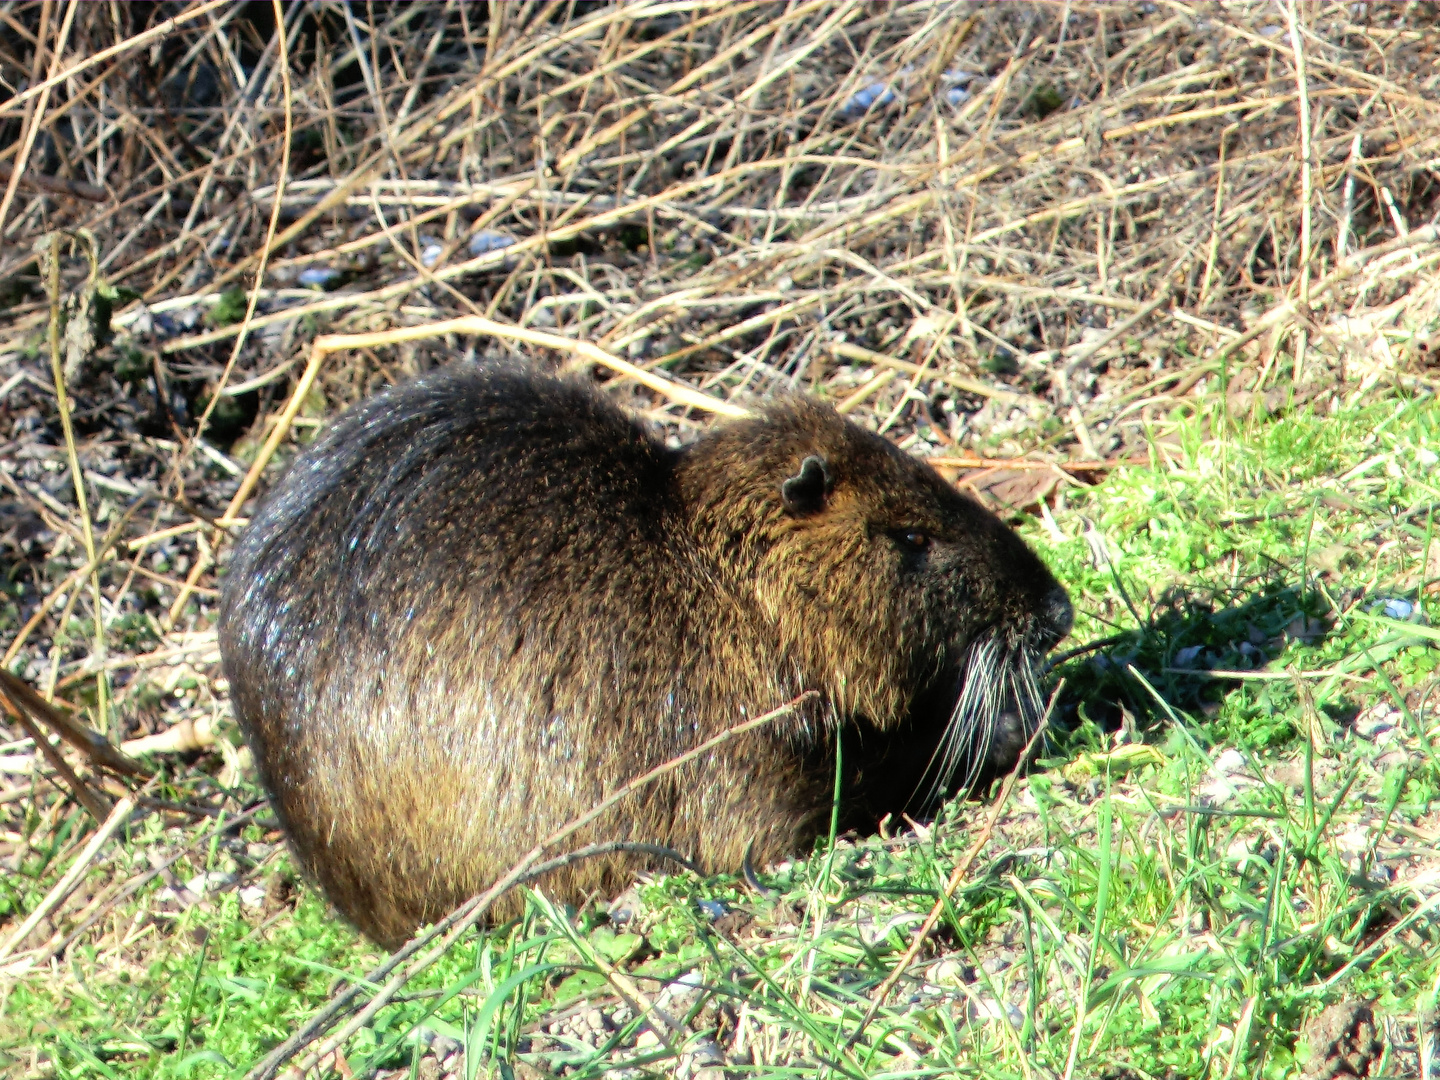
<point x="914" y="539"/>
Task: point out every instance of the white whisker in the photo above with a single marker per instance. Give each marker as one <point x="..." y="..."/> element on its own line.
<point x="999" y="679"/>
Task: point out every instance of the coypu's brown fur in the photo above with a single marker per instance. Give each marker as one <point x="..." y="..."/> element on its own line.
<point x="487" y="597"/>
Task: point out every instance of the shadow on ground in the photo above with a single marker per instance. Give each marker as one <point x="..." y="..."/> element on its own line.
<point x="1184" y="649"/>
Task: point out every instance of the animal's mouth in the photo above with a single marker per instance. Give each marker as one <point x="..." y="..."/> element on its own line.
<point x="998" y="706"/>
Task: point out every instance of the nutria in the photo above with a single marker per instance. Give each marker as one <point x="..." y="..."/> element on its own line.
<point x="487" y="597"/>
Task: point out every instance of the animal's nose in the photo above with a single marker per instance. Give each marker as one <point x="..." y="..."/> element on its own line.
<point x="1058" y="613"/>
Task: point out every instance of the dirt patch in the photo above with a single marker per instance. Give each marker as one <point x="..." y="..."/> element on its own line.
<point x="1343" y="1042"/>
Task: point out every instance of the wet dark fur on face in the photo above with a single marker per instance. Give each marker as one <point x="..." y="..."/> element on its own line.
<point x="487" y="597"/>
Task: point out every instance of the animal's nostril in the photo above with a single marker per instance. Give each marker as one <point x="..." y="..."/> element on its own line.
<point x="1058" y="612"/>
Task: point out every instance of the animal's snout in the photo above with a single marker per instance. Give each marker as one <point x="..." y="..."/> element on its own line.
<point x="1057" y="613"/>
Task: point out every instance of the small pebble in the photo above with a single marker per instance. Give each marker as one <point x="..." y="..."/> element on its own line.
<point x="486" y="240"/>
<point x="252" y="895"/>
<point x="990" y="1009"/>
<point x="1377" y="722"/>
<point x="1229" y="763"/>
<point x="444" y="1047"/>
<point x="1397" y="608"/>
<point x="877" y="95"/>
<point x="993" y="965"/>
<point x="625" y="907"/>
<point x="318" y="277"/>
<point x="1354" y="840"/>
<point x="212" y="881"/>
<point x="1217" y="792"/>
<point x="948" y="972"/>
<point x="1187" y="656"/>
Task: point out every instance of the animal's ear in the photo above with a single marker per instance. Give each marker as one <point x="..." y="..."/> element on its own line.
<point x="804" y="493"/>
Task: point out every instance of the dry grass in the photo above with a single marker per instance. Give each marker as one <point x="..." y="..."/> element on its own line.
<point x="1035" y="232"/>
